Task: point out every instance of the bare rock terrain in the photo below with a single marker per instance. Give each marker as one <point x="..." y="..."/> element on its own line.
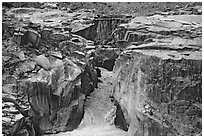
<point x="102" y="68"/>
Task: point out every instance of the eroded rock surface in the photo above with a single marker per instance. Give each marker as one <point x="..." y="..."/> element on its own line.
<point x="57" y="96"/>
<point x="158" y="84"/>
<point x="149" y="68"/>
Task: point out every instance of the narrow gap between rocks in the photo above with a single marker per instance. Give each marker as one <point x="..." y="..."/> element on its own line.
<point x="100" y="69"/>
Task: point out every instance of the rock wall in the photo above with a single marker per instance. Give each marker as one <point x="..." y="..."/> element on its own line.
<point x="158" y="83"/>
<point x="48" y="70"/>
<point x="88" y="33"/>
<point x="57" y="97"/>
<point x="105" y="27"/>
<point x="101" y="29"/>
<point x="159" y="94"/>
<point x="105" y="57"/>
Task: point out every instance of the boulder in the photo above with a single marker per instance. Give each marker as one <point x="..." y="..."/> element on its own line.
<point x="57" y="97"/>
<point x="43" y="62"/>
<point x="27" y="67"/>
<point x="9" y="79"/>
<point x="21" y="55"/>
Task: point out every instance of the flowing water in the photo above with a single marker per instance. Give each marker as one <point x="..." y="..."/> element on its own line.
<point x="97" y="106"/>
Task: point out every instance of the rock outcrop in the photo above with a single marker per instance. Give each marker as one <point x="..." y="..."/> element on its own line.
<point x="105" y="57"/>
<point x="52" y="86"/>
<point x="57" y="96"/>
<point x="53" y="54"/>
<point x="161" y="96"/>
<point x="101" y="29"/>
<point x="153" y="28"/>
<point x="158" y="84"/>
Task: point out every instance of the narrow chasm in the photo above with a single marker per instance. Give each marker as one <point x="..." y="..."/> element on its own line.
<point x="101" y="69"/>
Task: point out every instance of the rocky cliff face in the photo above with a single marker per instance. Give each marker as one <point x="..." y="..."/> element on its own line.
<point x="57" y="97"/>
<point x="53" y="76"/>
<point x="51" y="56"/>
<point x="159" y="86"/>
<point x="101" y="30"/>
<point x="160" y="96"/>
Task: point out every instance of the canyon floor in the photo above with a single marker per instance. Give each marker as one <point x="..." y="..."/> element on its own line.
<point x="97" y="107"/>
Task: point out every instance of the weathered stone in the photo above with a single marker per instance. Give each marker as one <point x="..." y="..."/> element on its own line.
<point x="157" y="88"/>
<point x="46" y="33"/>
<point x="100" y="30"/>
<point x="27" y="66"/>
<point x="156" y="81"/>
<point x="6" y="58"/>
<point x="90" y="47"/>
<point x="57" y="54"/>
<point x="9" y="90"/>
<point x="18" y="38"/>
<point x="60" y="36"/>
<point x="76" y="43"/>
<point x="42" y="75"/>
<point x="156" y="27"/>
<point x="49" y="5"/>
<point x="33" y="37"/>
<point x="21" y="55"/>
<point x="7" y="30"/>
<point x="43" y="61"/>
<point x="105" y="57"/>
<point x="6" y="119"/>
<point x="146" y="77"/>
<point x="110" y="117"/>
<point x="23" y="36"/>
<point x="78" y="54"/>
<point x="57" y="96"/>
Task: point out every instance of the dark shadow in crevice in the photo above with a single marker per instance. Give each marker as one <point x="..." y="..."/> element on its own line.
<point x="75" y="119"/>
<point x="120" y="121"/>
<point x="107" y="64"/>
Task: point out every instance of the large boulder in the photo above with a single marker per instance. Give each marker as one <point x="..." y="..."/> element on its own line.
<point x="56" y="97"/>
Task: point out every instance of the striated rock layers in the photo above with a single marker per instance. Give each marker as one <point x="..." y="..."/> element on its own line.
<point x="101" y="29"/>
<point x="49" y="55"/>
<point x="159" y="85"/>
<point x="160" y="96"/>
